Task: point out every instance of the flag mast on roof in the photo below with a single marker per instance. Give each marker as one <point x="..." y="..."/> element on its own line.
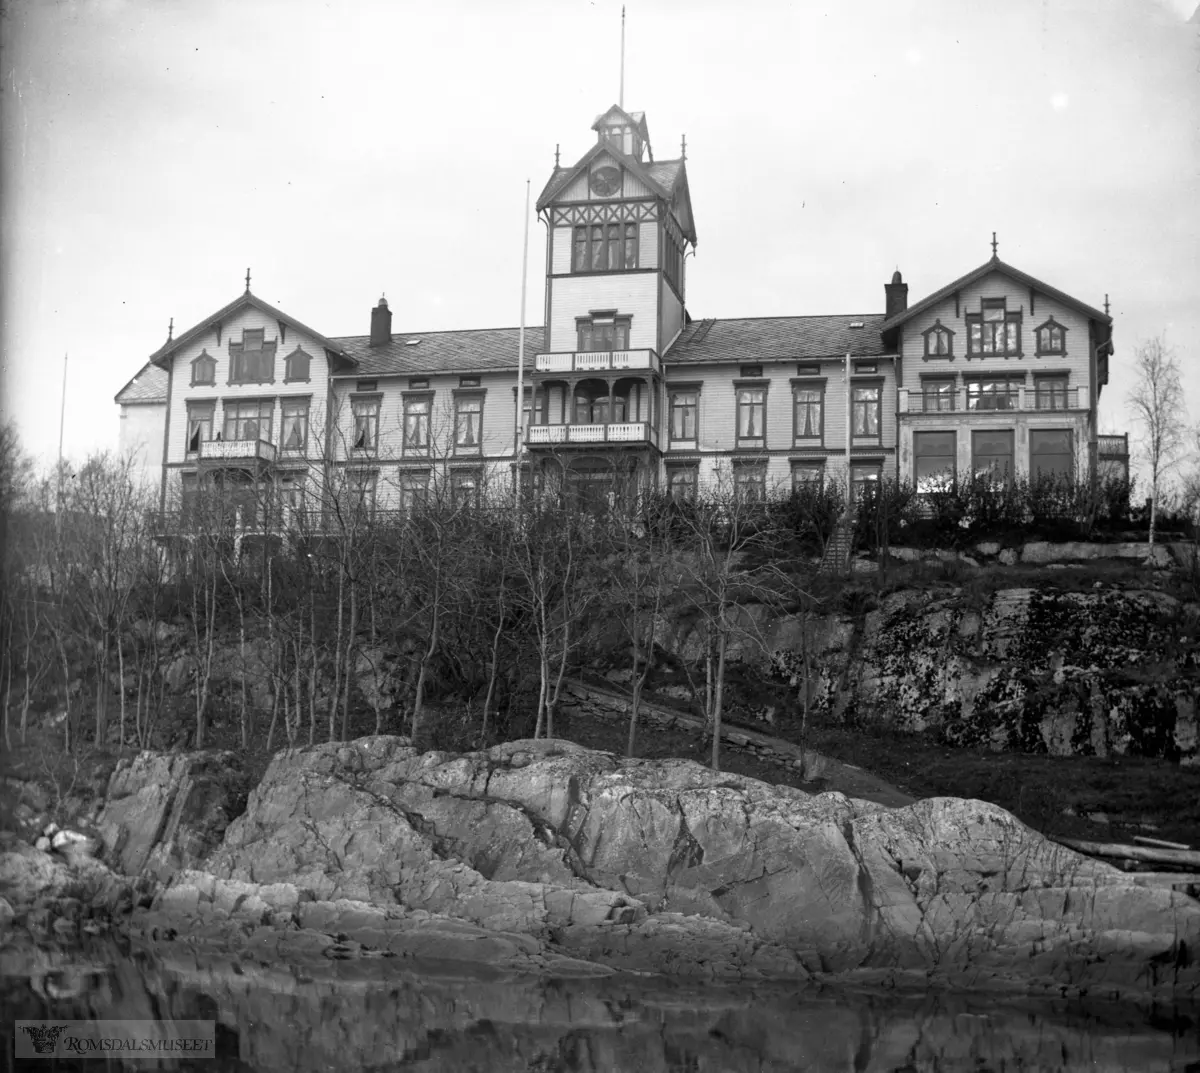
<point x="621" y="94"/>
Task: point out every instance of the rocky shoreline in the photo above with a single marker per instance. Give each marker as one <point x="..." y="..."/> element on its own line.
<point x="544" y="858"/>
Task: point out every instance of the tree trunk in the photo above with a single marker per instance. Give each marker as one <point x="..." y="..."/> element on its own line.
<point x="352" y="633"/>
<point x="1153" y="507"/>
<point x="121" y="674"/>
<point x="718" y="698"/>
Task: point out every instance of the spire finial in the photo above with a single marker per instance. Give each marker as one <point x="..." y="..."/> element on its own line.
<point x="247" y="281"/>
<point x="556" y="147"/>
<point x="171" y="330"/>
<point x="1106" y="305"/>
<point x="994" y="245"/>
<point x="621" y="95"/>
<point x="683" y="147"/>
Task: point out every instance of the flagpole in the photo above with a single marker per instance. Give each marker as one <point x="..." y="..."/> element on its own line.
<point x="62" y="420"/>
<point x="621" y="95"/>
<point x="520" y="414"/>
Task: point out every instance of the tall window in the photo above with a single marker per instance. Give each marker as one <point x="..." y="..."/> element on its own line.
<point x="939" y="341"/>
<point x="1051" y="452"/>
<point x="992" y="453"/>
<point x="937" y="396"/>
<point x="417" y="409"/>
<point x="750" y="482"/>
<point x="358" y="492"/>
<point x="366" y="423"/>
<point x="593" y="409"/>
<point x="751" y="416"/>
<point x="204" y="369"/>
<point x="252" y="361"/>
<point x="464" y="487"/>
<point x="867" y="408"/>
<point x="807" y="475"/>
<point x="672" y="261"/>
<point x="864" y="479"/>
<point x="1051" y="338"/>
<point x="248" y="420"/>
<point x="414" y="488"/>
<point x="999" y="393"/>
<point x="603" y="333"/>
<point x="468" y="424"/>
<point x="295" y="425"/>
<point x="934" y="460"/>
<point x="200" y="425"/>
<point x="682" y="482"/>
<point x="994" y="330"/>
<point x="533" y="409"/>
<point x="605" y="247"/>
<point x="684" y="412"/>
<point x="1050" y="392"/>
<point x="296" y="366"/>
<point x="809" y="403"/>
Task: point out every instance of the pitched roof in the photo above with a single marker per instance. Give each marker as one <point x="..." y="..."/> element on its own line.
<point x="996" y="265"/>
<point x="750" y="339"/>
<point x="473" y="350"/>
<point x="148" y="386"/>
<point x="644" y="170"/>
<point x="159" y="357"/>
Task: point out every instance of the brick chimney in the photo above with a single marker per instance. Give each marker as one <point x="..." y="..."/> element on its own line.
<point x="381" y="324"/>
<point x="896" y="296"/>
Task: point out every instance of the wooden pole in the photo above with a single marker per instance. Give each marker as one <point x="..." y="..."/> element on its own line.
<point x="62" y="420"/>
<point x="519" y="448"/>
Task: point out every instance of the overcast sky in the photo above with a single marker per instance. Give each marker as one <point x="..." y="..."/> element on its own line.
<point x="153" y="149"/>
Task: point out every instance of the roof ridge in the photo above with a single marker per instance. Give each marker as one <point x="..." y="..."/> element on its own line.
<point x="443" y="331"/>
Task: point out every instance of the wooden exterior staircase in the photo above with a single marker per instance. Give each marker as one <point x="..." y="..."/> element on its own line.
<point x="840" y="548"/>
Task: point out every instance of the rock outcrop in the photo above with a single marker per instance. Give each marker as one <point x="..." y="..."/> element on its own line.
<point x="537" y="854"/>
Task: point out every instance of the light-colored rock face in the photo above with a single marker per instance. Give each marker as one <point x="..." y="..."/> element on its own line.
<point x="635" y="863"/>
<point x="1030" y="669"/>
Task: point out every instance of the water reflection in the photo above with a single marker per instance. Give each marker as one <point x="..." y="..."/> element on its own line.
<point x="394" y="1015"/>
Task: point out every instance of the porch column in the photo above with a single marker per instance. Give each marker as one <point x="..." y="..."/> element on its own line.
<point x="612" y="402"/>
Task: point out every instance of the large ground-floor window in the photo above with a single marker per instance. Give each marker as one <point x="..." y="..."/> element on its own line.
<point x="934" y="460"/>
<point x="992" y="452"/>
<point x="1051" y="452"/>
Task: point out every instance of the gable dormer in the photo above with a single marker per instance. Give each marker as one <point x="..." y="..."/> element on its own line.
<point x="626" y="131"/>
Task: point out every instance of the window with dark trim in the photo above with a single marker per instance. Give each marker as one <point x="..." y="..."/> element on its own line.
<point x="1051" y="452"/>
<point x="291" y="491"/>
<point x="204" y="369"/>
<point x="808" y="412"/>
<point x="683" y="482"/>
<point x="935" y="460"/>
<point x="468" y="424"/>
<point x="939" y="341"/>
<point x="414" y="488"/>
<point x="992" y="453"/>
<point x="1051" y="392"/>
<point x="600" y="332"/>
<point x="366" y="423"/>
<point x="807" y="474"/>
<point x="417" y="412"/>
<point x="294" y="425"/>
<point x="465" y="487"/>
<point x="297" y="366"/>
<point x="751" y="371"/>
<point x="808" y="370"/>
<point x="937" y="396"/>
<point x="685" y="410"/>
<point x="199" y="425"/>
<point x="1051" y="338"/>
<point x="248" y="420"/>
<point x="750" y="481"/>
<point x="358" y="492"/>
<point x="994" y="330"/>
<point x="367" y="385"/>
<point x="610" y="247"/>
<point x="534" y="410"/>
<point x="252" y="361"/>
<point x="468" y="381"/>
<point x="751" y="416"/>
<point x="994" y="393"/>
<point x="867" y="411"/>
<point x="672" y="261"/>
<point x="864" y="476"/>
<point x="416" y="383"/>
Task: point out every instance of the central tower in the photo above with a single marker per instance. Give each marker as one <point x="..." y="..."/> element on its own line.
<point x="619" y="226"/>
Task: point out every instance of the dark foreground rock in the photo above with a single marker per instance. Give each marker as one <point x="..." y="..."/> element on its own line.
<point x="547" y="858"/>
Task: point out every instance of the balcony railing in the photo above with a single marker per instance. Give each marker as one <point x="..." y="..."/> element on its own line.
<point x="1021" y="399"/>
<point x="596" y="361"/>
<point x="625" y="432"/>
<point x="260" y="450"/>
<point x="1113" y="446"/>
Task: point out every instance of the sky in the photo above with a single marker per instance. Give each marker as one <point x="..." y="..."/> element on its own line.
<point x="155" y="149"/>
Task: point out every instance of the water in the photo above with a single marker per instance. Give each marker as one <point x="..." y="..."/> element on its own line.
<point x="397" y="1015"/>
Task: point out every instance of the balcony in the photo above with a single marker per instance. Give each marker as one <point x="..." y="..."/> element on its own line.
<point x="237" y="450"/>
<point x="597" y="361"/>
<point x="636" y="432"/>
<point x="1113" y="446"/>
<point x="1017" y="400"/>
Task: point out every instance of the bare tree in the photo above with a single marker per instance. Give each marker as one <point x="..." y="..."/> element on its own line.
<point x="1157" y="406"/>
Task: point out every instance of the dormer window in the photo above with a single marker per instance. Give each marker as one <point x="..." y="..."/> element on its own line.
<point x="297" y="366"/>
<point x="601" y="332"/>
<point x="1051" y="338"/>
<point x="204" y="369"/>
<point x="939" y="341"/>
<point x="994" y="330"/>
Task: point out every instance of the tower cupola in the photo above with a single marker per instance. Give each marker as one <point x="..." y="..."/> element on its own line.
<point x="624" y="131"/>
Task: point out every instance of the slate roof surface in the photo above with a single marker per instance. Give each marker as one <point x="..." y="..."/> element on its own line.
<point x="149" y="385"/>
<point x="473" y="350"/>
<point x="764" y="338"/>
